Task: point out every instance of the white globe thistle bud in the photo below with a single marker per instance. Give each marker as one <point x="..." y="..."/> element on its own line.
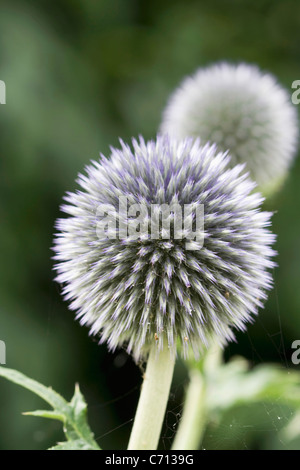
<point x="139" y="290"/>
<point x="242" y="110"/>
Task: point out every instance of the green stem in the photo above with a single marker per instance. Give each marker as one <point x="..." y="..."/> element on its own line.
<point x="153" y="400"/>
<point x="193" y="421"/>
<point x="194" y="418"/>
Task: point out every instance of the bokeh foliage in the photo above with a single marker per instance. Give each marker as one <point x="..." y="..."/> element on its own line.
<point x="80" y="74"/>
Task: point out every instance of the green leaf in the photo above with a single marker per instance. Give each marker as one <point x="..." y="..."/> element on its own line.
<point x="79" y="415"/>
<point x="46" y="414"/>
<point x="235" y="384"/>
<point x="292" y="430"/>
<point x="51" y="397"/>
<point x="240" y="400"/>
<point x="77" y="444"/>
<point x="73" y="415"/>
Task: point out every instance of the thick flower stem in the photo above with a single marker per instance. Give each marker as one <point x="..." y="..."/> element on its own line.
<point x="193" y="421"/>
<point x="153" y="400"/>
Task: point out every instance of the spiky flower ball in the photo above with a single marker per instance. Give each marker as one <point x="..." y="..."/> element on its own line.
<point x="138" y="290"/>
<point x="242" y="110"/>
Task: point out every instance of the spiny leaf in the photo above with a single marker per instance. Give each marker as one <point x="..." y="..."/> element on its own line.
<point x="77" y="444"/>
<point x="73" y="415"/>
<point x="46" y="414"/>
<point x="49" y="395"/>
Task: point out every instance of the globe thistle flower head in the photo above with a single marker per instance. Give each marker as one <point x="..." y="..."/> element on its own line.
<point x="135" y="290"/>
<point x="242" y="110"/>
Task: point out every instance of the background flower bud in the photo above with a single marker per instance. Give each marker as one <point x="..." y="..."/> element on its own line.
<point x="241" y="109"/>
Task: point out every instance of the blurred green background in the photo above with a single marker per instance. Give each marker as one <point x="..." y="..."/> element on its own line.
<point x="80" y="74"/>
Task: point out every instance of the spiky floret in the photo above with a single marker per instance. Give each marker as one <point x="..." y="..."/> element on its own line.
<point x="242" y="110"/>
<point x="137" y="291"/>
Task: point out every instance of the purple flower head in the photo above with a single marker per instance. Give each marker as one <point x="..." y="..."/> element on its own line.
<point x="132" y="288"/>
